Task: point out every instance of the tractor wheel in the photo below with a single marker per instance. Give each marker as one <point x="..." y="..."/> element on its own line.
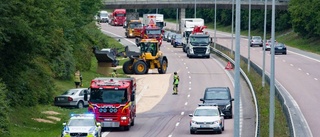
<point x="163" y="67"/>
<point x="127" y="67"/>
<point x="140" y="67"/>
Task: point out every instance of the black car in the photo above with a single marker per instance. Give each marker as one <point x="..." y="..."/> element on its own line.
<point x="280" y="48"/>
<point x="178" y="40"/>
<point x="220" y="96"/>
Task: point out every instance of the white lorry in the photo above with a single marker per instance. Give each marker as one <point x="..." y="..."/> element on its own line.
<point x="187" y="25"/>
<point x="103" y="16"/>
<point x="198" y="43"/>
<point x="157" y="19"/>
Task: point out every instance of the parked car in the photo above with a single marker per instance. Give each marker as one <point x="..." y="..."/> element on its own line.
<point x="256" y="40"/>
<point x="207" y="117"/>
<point x="178" y="40"/>
<point x="72" y="98"/>
<point x="268" y="45"/>
<point x="220" y="96"/>
<point x="280" y="48"/>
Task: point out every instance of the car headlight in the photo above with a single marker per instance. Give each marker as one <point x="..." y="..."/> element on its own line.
<point x="191" y="50"/>
<point x="217" y="122"/>
<point x="208" y="51"/>
<point x="193" y="122"/>
<point x="228" y="106"/>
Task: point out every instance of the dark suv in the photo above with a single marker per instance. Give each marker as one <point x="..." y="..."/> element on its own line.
<point x="220" y="96"/>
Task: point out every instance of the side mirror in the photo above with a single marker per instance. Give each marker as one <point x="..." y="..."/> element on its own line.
<point x="64" y="124"/>
<point x="165" y="24"/>
<point x="201" y="99"/>
<point x="132" y="97"/>
<point x="190" y="115"/>
<point x="85" y="95"/>
<point x="232" y="99"/>
<point x="210" y="40"/>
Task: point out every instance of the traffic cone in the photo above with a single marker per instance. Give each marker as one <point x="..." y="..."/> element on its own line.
<point x="229" y="66"/>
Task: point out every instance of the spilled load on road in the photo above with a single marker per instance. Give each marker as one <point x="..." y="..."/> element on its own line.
<point x="112" y="101"/>
<point x="198" y="43"/>
<point x="149" y="57"/>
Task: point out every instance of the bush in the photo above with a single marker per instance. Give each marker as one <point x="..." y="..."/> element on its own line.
<point x="4" y="119"/>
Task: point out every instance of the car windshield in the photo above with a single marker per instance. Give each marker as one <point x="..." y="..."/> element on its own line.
<point x="81" y="122"/>
<point x="153" y="31"/>
<point x="188" y="33"/>
<point x="178" y="36"/>
<point x="119" y="14"/>
<point x="108" y="96"/>
<point x="206" y="112"/>
<point x="279" y="45"/>
<point x="159" y="24"/>
<point x="148" y="47"/>
<point x="135" y="25"/>
<point x="70" y="92"/>
<point x="256" y="38"/>
<point x="199" y="40"/>
<point x="217" y="95"/>
<point x="103" y="14"/>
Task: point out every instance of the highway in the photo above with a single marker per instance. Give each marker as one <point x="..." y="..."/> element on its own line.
<point x="298" y="72"/>
<point x="168" y="117"/>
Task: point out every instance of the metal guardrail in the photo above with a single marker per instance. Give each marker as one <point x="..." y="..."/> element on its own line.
<point x="257" y="133"/>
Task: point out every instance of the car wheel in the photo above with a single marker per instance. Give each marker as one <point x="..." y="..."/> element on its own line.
<point x="132" y="122"/>
<point x="219" y="132"/>
<point x="126" y="128"/>
<point x="192" y="131"/>
<point x="80" y="104"/>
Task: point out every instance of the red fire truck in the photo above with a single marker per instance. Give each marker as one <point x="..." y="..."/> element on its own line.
<point x="112" y="101"/>
<point x="118" y="17"/>
<point x="150" y="31"/>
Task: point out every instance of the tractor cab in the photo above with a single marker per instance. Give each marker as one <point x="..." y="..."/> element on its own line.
<point x="149" y="46"/>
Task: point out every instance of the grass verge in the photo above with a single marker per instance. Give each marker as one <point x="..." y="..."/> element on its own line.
<point x="23" y="120"/>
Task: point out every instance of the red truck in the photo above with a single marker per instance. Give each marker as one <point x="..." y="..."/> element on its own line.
<point x="118" y="17"/>
<point x="150" y="31"/>
<point x="112" y="101"/>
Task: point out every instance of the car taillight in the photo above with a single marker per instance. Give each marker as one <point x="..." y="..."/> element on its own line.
<point x="70" y="99"/>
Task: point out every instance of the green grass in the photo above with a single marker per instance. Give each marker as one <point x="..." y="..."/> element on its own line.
<point x="21" y="118"/>
<point x="281" y="128"/>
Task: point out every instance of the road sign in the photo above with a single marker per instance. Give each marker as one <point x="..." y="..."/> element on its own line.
<point x="229" y="66"/>
<point x="151" y="22"/>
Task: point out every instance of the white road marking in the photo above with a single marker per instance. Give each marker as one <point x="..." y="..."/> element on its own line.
<point x="179" y="56"/>
<point x="186" y="67"/>
<point x="188" y="71"/>
<point x="188" y="95"/>
<point x="315" y="79"/>
<point x="291" y="65"/>
<point x="190" y="77"/>
<point x="184" y="62"/>
<point x="283" y="60"/>
<point x="189" y="82"/>
<point x="182" y="113"/>
<point x="186" y="103"/>
<point x="307" y="73"/>
<point x="299" y="69"/>
<point x="170" y="136"/>
<point x="177" y="124"/>
<point x="305" y="56"/>
<point x="190" y="88"/>
<point x="174" y="53"/>
<point x="104" y="134"/>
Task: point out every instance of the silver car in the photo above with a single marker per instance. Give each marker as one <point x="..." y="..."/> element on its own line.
<point x="81" y="125"/>
<point x="207" y="117"/>
<point x="72" y="98"/>
<point x="256" y="40"/>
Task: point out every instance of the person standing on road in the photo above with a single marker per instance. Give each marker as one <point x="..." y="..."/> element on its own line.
<point x="175" y="83"/>
<point x="77" y="79"/>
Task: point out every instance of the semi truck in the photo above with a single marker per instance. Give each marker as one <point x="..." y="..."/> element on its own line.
<point x="103" y="16"/>
<point x="118" y="17"/>
<point x="198" y="43"/>
<point x="158" y="19"/>
<point x="133" y="25"/>
<point x="112" y="101"/>
<point x="187" y="25"/>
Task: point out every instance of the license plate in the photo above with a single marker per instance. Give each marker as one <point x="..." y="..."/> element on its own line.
<point x="279" y="47"/>
<point x="60" y="99"/>
<point x="204" y="126"/>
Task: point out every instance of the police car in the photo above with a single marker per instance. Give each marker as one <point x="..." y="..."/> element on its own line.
<point x="81" y="125"/>
<point x="207" y="117"/>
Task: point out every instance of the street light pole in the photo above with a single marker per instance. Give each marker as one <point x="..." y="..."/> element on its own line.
<point x="249" y="33"/>
<point x="232" y="25"/>
<point x="272" y="73"/>
<point x="215" y="23"/>
<point x="264" y="43"/>
<point x="237" y="88"/>
<point x="195" y="8"/>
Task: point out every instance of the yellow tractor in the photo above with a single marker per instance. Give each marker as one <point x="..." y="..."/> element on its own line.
<point x="149" y="57"/>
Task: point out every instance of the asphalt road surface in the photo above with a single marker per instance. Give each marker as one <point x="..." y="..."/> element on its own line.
<point x="168" y="117"/>
<point x="298" y="72"/>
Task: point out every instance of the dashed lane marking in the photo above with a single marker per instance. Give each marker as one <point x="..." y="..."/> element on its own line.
<point x="182" y="113"/>
<point x="307" y="73"/>
<point x="186" y="103"/>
